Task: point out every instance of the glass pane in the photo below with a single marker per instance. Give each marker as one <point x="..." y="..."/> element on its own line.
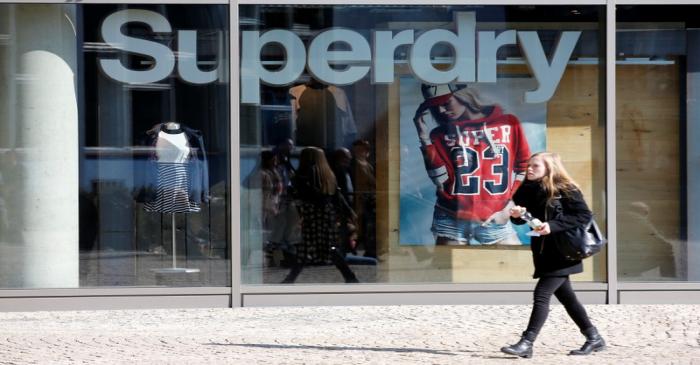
<point x="114" y="146"/>
<point x="338" y="180"/>
<point x="656" y="73"/>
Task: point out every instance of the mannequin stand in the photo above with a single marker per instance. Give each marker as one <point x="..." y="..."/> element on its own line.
<point x="174" y="269"/>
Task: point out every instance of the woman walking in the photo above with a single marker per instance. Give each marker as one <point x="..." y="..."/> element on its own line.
<point x="319" y="201"/>
<point x="550" y="195"/>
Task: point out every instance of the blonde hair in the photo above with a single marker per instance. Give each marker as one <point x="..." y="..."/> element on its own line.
<point x="470" y="98"/>
<point x="313" y="163"/>
<point x="556" y="179"/>
<point x="473" y="100"/>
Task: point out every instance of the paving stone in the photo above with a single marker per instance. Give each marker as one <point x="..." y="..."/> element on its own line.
<point x="473" y="334"/>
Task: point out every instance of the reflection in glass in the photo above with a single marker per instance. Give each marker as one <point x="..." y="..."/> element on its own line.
<point x="38" y="146"/>
<point x="154" y="160"/>
<point x="656" y="78"/>
<point x="428" y="167"/>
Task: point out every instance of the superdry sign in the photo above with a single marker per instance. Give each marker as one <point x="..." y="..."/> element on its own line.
<point x="474" y="55"/>
<point x="164" y="60"/>
<point x="470" y="64"/>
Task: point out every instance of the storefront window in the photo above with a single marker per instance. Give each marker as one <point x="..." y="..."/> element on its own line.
<point x="383" y="144"/>
<point x="114" y="143"/>
<point x="657" y="76"/>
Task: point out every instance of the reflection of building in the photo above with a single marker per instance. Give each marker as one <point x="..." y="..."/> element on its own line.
<point x="71" y="141"/>
<point x="71" y="151"/>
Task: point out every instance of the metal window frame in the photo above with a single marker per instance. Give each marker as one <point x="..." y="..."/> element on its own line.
<point x="239" y="294"/>
<point x="610" y="152"/>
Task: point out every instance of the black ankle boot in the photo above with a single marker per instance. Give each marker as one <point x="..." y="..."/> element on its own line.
<point x="523" y="348"/>
<point x="594" y="342"/>
<point x="339" y="261"/>
<point x="293" y="274"/>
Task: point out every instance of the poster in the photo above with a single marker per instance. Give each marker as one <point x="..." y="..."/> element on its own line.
<point x="473" y="168"/>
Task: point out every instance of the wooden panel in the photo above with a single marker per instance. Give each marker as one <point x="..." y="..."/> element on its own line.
<point x="492" y="264"/>
<point x="648" y="171"/>
<point x="575" y="131"/>
<point x="503" y="264"/>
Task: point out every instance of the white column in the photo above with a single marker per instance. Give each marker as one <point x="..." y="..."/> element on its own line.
<point x="47" y="141"/>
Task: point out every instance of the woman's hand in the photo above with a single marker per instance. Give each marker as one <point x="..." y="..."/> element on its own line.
<point x="517" y="211"/>
<point x="421" y="125"/>
<point x="543" y="229"/>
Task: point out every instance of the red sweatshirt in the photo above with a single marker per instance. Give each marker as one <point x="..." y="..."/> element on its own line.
<point x="479" y="164"/>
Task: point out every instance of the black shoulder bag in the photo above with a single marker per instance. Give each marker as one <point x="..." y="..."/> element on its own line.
<point x="580" y="242"/>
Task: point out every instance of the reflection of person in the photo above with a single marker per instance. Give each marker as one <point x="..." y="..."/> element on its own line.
<point x="471" y="156"/>
<point x="647" y="252"/>
<point x="341" y="168"/>
<point x="316" y="189"/>
<point x="551" y="196"/>
<point x="365" y="200"/>
<point x="285" y="228"/>
<point x="271" y="184"/>
<point x="283" y="153"/>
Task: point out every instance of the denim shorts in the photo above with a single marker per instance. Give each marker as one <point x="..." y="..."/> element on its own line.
<point x="471" y="233"/>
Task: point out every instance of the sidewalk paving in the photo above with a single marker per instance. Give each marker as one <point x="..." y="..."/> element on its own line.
<point x="464" y="334"/>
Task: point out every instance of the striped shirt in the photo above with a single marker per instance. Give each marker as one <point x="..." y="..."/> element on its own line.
<point x="172" y="195"/>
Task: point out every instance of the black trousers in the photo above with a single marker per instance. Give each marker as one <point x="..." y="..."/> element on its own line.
<point x="560" y="286"/>
<point x="337" y="258"/>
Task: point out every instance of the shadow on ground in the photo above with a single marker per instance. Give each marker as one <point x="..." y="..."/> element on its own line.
<point x="335" y="348"/>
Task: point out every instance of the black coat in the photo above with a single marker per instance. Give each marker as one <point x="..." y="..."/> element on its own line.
<point x="565" y="212"/>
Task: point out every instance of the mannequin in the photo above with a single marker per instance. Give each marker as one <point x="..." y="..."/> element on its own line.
<point x="176" y="173"/>
<point x="321" y="115"/>
<point x="172" y="153"/>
